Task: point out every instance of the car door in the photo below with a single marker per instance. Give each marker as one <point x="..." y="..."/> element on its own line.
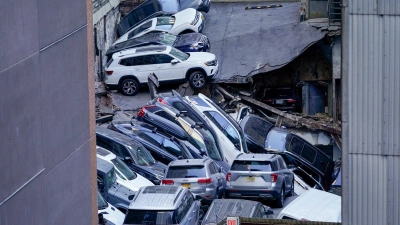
<point x="143" y="66"/>
<point x="287" y="174"/>
<point x="187" y="211"/>
<point x="168" y="71"/>
<point x="215" y="175"/>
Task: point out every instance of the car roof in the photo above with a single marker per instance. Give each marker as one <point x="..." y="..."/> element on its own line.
<point x="221" y="208"/>
<point x="104" y="153"/>
<point x="190" y="162"/>
<point x="117" y="137"/>
<point x="157" y="198"/>
<point x="255" y="157"/>
<point x="315" y="205"/>
<point x="140" y="50"/>
<point x="103" y="165"/>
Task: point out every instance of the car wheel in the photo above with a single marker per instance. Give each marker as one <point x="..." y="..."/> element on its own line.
<point x="291" y="192"/>
<point x="129" y="87"/>
<point x="197" y="79"/>
<point x="279" y="201"/>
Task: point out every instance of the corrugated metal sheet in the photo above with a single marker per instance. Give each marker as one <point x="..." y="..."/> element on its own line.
<point x="363" y="6"/>
<point x="389" y="7"/>
<point x="369" y="187"/>
<point x="374" y="70"/>
<point x="372" y="80"/>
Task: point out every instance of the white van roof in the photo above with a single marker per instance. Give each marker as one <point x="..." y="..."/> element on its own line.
<point x="314" y="205"/>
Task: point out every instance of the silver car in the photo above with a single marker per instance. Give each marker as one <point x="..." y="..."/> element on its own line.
<point x="202" y="176"/>
<point x="260" y="176"/>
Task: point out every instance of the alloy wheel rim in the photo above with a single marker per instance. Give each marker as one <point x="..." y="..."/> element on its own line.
<point x="129" y="87"/>
<point x="198" y="80"/>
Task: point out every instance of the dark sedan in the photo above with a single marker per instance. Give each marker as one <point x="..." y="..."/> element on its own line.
<point x="164" y="148"/>
<point x="192" y="42"/>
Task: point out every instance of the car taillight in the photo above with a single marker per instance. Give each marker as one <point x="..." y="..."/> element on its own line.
<point x="167" y="182"/>
<point x="162" y="101"/>
<point x="141" y="112"/>
<point x="291" y="101"/>
<point x="268" y="100"/>
<point x="204" y="181"/>
<point x="109" y="72"/>
<point x="228" y="176"/>
<point x="274" y="177"/>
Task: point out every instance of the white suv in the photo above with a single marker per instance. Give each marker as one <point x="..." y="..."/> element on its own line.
<point x="130" y="68"/>
<point x="186" y="21"/>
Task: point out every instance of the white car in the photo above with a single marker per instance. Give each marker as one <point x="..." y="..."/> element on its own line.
<point x="314" y="205"/>
<point x="125" y="176"/>
<point x="110" y="213"/>
<point x="186" y="21"/>
<point x="129" y="69"/>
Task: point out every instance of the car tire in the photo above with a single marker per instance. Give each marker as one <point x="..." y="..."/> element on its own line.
<point x="129" y="87"/>
<point x="197" y="79"/>
<point x="291" y="192"/>
<point x="279" y="201"/>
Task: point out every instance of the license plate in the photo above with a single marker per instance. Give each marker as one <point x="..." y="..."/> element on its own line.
<point x="186" y="186"/>
<point x="250" y="179"/>
<point x="278" y="101"/>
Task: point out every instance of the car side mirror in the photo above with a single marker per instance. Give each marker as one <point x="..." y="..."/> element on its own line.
<point x="174" y="61"/>
<point x="128" y="159"/>
<point x="219" y="170"/>
<point x="291" y="166"/>
<point x="237" y="146"/>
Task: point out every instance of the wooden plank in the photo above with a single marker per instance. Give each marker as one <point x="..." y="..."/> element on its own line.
<point x="311" y="124"/>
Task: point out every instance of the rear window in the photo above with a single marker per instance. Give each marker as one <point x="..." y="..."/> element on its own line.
<point x="258" y="129"/>
<point x="252" y="166"/>
<point x="186" y="171"/>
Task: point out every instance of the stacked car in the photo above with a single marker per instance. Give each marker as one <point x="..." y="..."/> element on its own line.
<point x="182" y="155"/>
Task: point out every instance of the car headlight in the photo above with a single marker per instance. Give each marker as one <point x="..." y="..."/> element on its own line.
<point x="211" y="63"/>
<point x="196" y="19"/>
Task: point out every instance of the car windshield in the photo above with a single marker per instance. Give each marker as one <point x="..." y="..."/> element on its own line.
<point x="142" y="156"/>
<point x="101" y="203"/>
<point x="276" y="140"/>
<point x="251" y="166"/>
<point x="123" y="170"/>
<point x="210" y="142"/>
<point x="179" y="54"/>
<point x="140" y="29"/>
<point x="186" y="171"/>
<point x="167" y="39"/>
<point x="150" y="217"/>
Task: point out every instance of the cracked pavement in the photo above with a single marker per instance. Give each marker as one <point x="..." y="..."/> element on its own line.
<point x="248" y="42"/>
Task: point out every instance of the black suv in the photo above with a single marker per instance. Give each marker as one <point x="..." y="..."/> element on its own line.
<point x="132" y="152"/>
<point x="164" y="147"/>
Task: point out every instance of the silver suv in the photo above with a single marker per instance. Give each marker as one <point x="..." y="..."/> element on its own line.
<point x="202" y="176"/>
<point x="260" y="176"/>
<point x="164" y="205"/>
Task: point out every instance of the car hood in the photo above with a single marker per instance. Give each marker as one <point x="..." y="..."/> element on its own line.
<point x="112" y="214"/>
<point x="189" y="39"/>
<point x="121" y="192"/>
<point x="136" y="183"/>
<point x="200" y="57"/>
<point x="156" y="169"/>
<point x="185" y="16"/>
